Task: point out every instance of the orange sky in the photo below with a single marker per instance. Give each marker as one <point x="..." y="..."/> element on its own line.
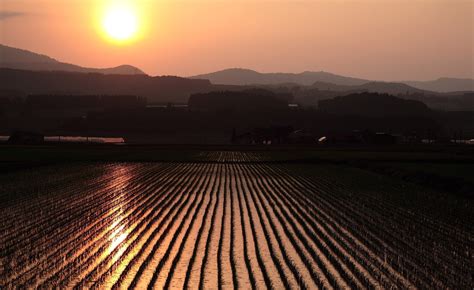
<point x="374" y="39"/>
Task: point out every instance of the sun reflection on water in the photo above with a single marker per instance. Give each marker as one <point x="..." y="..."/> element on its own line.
<point x="117" y="239"/>
<point x="120" y="230"/>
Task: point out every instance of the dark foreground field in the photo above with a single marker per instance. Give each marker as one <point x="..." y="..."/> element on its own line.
<point x="215" y="219"/>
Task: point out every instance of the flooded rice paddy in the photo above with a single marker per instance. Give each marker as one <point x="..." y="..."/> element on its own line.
<point x="221" y="225"/>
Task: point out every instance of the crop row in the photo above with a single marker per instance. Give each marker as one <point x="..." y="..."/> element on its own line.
<point x="225" y="224"/>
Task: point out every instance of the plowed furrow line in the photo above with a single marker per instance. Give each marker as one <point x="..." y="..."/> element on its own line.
<point x="254" y="250"/>
<point x="289" y="278"/>
<point x="55" y="183"/>
<point x="160" y="226"/>
<point x="227" y="275"/>
<point x="346" y="232"/>
<point x="423" y="218"/>
<point x="52" y="252"/>
<point x="313" y="263"/>
<point x="92" y="251"/>
<point x="80" y="238"/>
<point x="37" y="227"/>
<point x="328" y="246"/>
<point x="376" y="268"/>
<point x="237" y="246"/>
<point x="160" y="273"/>
<point x="194" y="230"/>
<point x="46" y="243"/>
<point x="290" y="255"/>
<point x="155" y="244"/>
<point x="409" y="264"/>
<point x="28" y="218"/>
<point x="140" y="218"/>
<point x="383" y="248"/>
<point x="415" y="239"/>
<point x="208" y="249"/>
<point x="273" y="267"/>
<point x="353" y="272"/>
<point x="66" y="214"/>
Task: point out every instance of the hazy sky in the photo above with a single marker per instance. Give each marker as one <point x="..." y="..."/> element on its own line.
<point x="374" y="39"/>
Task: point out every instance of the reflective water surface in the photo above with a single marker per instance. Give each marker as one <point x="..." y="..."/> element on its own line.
<point x="207" y="224"/>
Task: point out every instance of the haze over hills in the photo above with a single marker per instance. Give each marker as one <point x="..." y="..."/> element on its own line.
<point x="379" y="87"/>
<point x="444" y="85"/>
<point x="239" y="76"/>
<point x="25" y="72"/>
<point x="156" y="89"/>
<point x="14" y="82"/>
<point x="374" y="105"/>
<point x="15" y="58"/>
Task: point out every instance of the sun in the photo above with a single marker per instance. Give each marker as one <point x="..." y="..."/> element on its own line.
<point x="120" y="23"/>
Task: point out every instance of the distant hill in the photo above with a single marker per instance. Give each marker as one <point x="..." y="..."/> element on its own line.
<point x="444" y="85"/>
<point x="250" y="100"/>
<point x="238" y="76"/>
<point x="373" y="105"/>
<point x="155" y="89"/>
<point x="376" y="87"/>
<point x="452" y="101"/>
<point x="26" y="60"/>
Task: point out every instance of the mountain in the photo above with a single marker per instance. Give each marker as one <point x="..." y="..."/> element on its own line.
<point x="452" y="101"/>
<point x="374" y="105"/>
<point x="15" y="58"/>
<point x="250" y="100"/>
<point x="238" y="76"/>
<point x="156" y="89"/>
<point x="377" y="87"/>
<point x="444" y="85"/>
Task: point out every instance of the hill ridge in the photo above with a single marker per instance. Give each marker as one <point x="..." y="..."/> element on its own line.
<point x="244" y="76"/>
<point x="17" y="58"/>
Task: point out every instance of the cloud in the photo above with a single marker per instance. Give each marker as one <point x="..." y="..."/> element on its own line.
<point x="8" y="14"/>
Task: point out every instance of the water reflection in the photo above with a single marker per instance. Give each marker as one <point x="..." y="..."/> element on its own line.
<point x="118" y="177"/>
<point x="116" y="238"/>
<point x="84" y="139"/>
<point x="120" y="230"/>
<point x="76" y="139"/>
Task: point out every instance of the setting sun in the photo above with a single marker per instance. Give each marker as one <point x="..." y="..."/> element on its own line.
<point x="236" y="144"/>
<point x="120" y="23"/>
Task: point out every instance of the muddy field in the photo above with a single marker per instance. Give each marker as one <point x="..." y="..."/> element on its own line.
<point x="234" y="222"/>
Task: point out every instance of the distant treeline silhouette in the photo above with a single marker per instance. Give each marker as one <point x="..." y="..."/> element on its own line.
<point x="246" y="100"/>
<point x="373" y="105"/>
<point x="213" y="117"/>
<point x="85" y="101"/>
<point x="166" y="89"/>
<point x="155" y="89"/>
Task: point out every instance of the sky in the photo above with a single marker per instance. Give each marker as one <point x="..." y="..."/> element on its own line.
<point x="390" y="40"/>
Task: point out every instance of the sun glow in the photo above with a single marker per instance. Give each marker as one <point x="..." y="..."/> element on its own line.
<point x="120" y="23"/>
